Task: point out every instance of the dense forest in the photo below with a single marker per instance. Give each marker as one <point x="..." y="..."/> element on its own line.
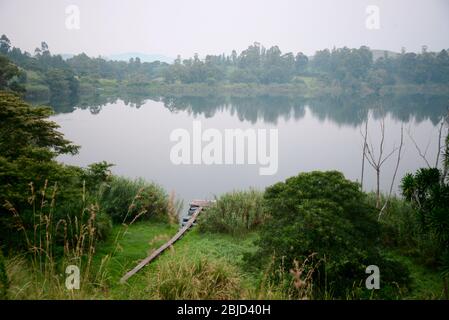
<point x="52" y="78"/>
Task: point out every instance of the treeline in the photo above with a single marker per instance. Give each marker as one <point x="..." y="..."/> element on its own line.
<point x="345" y="67"/>
<point x="349" y="66"/>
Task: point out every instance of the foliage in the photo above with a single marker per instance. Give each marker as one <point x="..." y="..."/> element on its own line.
<point x="400" y="225"/>
<point x="348" y="69"/>
<point x="428" y="192"/>
<point x="126" y="200"/>
<point x="62" y="85"/>
<point x="96" y="173"/>
<point x="25" y="130"/>
<point x="29" y="144"/>
<point x="235" y="213"/>
<point x="194" y="279"/>
<point x="10" y="76"/>
<point x="324" y="214"/>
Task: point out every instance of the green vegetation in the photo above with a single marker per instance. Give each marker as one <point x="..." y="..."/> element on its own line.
<point x="428" y="192"/>
<point x="235" y="213"/>
<point x="194" y="279"/>
<point x="125" y="200"/>
<point x="324" y="215"/>
<point x="309" y="237"/>
<point x="256" y="70"/>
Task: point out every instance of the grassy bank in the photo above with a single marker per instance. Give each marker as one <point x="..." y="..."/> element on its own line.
<point x="143" y="237"/>
<point x="220" y="250"/>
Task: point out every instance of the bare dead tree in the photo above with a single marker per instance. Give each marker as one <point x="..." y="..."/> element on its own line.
<point x="445" y="151"/>
<point x="376" y="162"/>
<point x="423" y="155"/>
<point x="440" y="131"/>
<point x="395" y="173"/>
<point x="364" y="151"/>
<point x="440" y="148"/>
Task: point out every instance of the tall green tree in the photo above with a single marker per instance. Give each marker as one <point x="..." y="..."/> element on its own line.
<point x="10" y="76"/>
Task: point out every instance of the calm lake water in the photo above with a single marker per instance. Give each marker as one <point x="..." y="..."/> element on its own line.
<point x="313" y="135"/>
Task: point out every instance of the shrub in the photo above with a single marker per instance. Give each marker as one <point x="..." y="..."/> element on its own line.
<point x="53" y="240"/>
<point x="428" y="192"/>
<point x="192" y="279"/>
<point x="125" y="200"/>
<point x="399" y="223"/>
<point x="324" y="214"/>
<point x="236" y="213"/>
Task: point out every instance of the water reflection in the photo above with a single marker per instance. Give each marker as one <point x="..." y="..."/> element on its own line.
<point x="347" y="110"/>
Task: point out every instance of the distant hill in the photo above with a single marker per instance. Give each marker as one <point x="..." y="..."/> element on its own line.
<point x="143" y="57"/>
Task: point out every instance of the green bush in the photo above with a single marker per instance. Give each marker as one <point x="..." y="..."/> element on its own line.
<point x="236" y="213"/>
<point x="427" y="190"/>
<point x="324" y="214"/>
<point x="398" y="222"/>
<point x="125" y="200"/>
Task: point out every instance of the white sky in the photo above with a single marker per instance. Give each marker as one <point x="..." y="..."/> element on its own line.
<point x="172" y="27"/>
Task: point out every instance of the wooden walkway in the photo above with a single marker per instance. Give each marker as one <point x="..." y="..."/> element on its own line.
<point x="176" y="237"/>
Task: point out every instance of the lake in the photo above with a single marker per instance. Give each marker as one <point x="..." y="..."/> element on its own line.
<point x="313" y="134"/>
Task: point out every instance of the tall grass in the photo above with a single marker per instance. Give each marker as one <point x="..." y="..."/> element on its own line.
<point x="147" y="199"/>
<point x="401" y="230"/>
<point x="277" y="283"/>
<point x="52" y="243"/>
<point x="235" y="213"/>
<point x="194" y="278"/>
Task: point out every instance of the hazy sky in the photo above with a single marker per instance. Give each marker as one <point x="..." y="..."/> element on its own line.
<point x="172" y="27"/>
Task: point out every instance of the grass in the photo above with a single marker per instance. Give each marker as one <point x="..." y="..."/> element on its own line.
<point x="426" y="283"/>
<point x="236" y="213"/>
<point x="134" y="244"/>
<point x="199" y="266"/>
<point x="202" y="265"/>
<point x="214" y="250"/>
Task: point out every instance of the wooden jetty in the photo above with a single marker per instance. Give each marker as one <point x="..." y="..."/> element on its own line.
<point x="200" y="205"/>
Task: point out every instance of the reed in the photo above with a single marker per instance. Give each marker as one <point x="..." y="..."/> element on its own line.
<point x="235" y="213"/>
<point x="75" y="233"/>
<point x="193" y="278"/>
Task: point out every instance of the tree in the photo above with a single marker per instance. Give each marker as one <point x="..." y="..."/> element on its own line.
<point x="5" y="44"/>
<point x="28" y="145"/>
<point x="301" y="62"/>
<point x="62" y="84"/>
<point x="428" y="192"/>
<point x="29" y="173"/>
<point x="9" y="76"/>
<point x="325" y="215"/>
<point x="376" y="161"/>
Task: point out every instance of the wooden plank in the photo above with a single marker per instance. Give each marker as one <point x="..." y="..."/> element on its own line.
<point x="156" y="253"/>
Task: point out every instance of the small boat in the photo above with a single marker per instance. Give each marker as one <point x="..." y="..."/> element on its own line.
<point x="193" y="207"/>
